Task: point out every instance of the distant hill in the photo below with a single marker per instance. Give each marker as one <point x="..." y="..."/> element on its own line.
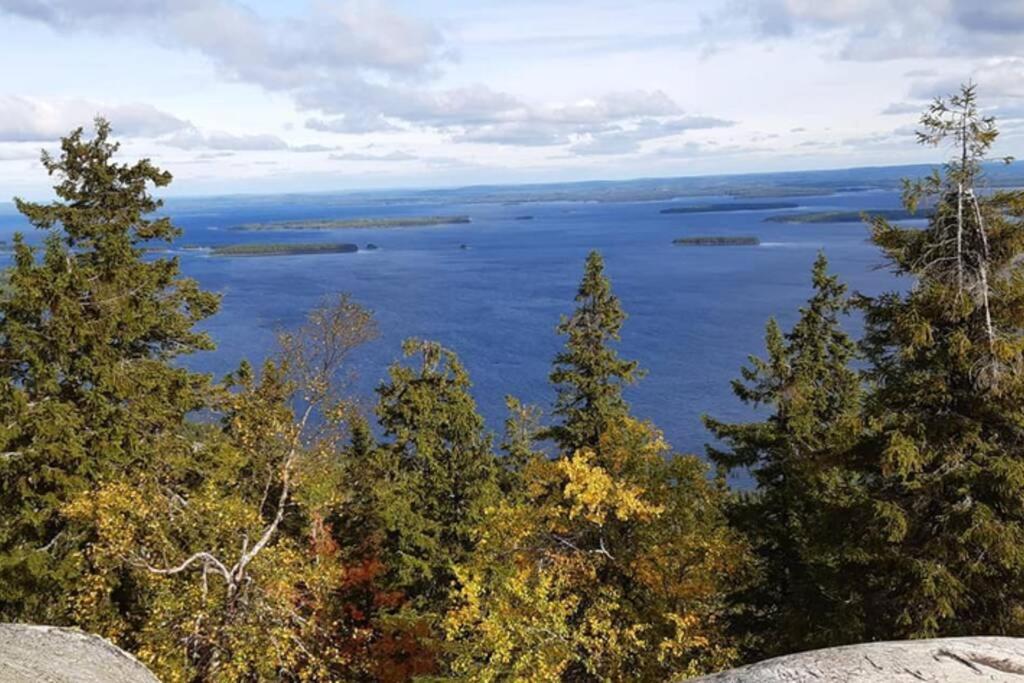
<point x="791" y="184"/>
<point x="745" y="186"/>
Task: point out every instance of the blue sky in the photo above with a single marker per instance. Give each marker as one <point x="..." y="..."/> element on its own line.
<point x="261" y="96"/>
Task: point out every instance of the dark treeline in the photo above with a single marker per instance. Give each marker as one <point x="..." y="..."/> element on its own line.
<point x="257" y="528"/>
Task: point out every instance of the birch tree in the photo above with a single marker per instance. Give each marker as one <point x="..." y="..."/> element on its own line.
<point x="229" y="544"/>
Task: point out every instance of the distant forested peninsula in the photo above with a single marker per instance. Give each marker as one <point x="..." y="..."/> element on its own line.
<point x="731" y="206"/>
<point x="345" y="223"/>
<point x="717" y="241"/>
<point x="294" y="249"/>
<point x="849" y="216"/>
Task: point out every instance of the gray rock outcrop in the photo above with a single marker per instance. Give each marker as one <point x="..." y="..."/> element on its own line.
<point x="939" y="660"/>
<point x="47" y="654"/>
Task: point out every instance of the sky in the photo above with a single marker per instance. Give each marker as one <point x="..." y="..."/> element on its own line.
<point x="239" y="96"/>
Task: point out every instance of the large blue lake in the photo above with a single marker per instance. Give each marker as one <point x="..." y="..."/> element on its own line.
<point x="695" y="313"/>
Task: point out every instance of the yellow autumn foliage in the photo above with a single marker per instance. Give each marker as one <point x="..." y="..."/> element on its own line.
<point x="594" y="494"/>
<point x="180" y="534"/>
<point x="613" y="566"/>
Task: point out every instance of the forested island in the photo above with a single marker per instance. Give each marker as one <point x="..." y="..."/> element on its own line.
<point x="717" y="241"/>
<point x="346" y="223"/>
<point x="283" y="249"/>
<point x="731" y="206"/>
<point x="849" y="216"/>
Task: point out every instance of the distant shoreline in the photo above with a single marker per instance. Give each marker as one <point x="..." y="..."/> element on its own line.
<point x="750" y="184"/>
<point x="731" y="206"/>
<point x="353" y="223"/>
<point x="283" y="249"/>
<point x="717" y="241"/>
<point x="849" y="216"/>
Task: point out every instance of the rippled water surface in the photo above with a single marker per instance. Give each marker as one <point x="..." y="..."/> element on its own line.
<point x="494" y="289"/>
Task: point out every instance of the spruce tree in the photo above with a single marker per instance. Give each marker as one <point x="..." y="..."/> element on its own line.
<point x="946" y="447"/>
<point x="435" y="471"/>
<point x="796" y="517"/>
<point x="588" y="374"/>
<point x="518" y="444"/>
<point x="88" y="330"/>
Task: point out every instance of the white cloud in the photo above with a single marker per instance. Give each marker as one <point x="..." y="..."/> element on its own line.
<point x="624" y="140"/>
<point x="993" y="17"/>
<point x="613" y="123"/>
<point x="25" y="119"/>
<point x="694" y="150"/>
<point x="353" y="41"/>
<point x="518" y="133"/>
<point x="1000" y="83"/>
<point x="526" y="133"/>
<point x="613" y="106"/>
<point x="363" y="156"/>
<point x="18" y="152"/>
<point x="364" y="101"/>
<point x="311" y="147"/>
<point x="361" y="63"/>
<point x="478" y="114"/>
<point x="193" y="138"/>
<point x="883" y="29"/>
<point x="897" y="108"/>
<point x="332" y="37"/>
<point x="353" y="123"/>
<point x="535" y="90"/>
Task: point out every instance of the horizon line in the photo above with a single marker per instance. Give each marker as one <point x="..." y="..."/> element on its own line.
<point x="997" y="163"/>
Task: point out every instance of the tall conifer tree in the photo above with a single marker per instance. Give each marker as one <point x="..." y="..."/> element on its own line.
<point x="435" y="472"/>
<point x="588" y="374"/>
<point x="87" y="335"/>
<point x="947" y="449"/>
<point x="796" y="517"/>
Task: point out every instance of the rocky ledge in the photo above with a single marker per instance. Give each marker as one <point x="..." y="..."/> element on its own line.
<point x="933" y="661"/>
<point x="47" y="654"/>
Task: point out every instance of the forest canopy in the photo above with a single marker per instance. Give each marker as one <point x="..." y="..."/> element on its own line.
<point x="268" y="525"/>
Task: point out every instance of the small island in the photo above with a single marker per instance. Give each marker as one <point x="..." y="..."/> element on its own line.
<point x="849" y="216"/>
<point x="717" y="241"/>
<point x="731" y="206"/>
<point x="293" y="249"/>
<point x="524" y="218"/>
<point x="351" y="223"/>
